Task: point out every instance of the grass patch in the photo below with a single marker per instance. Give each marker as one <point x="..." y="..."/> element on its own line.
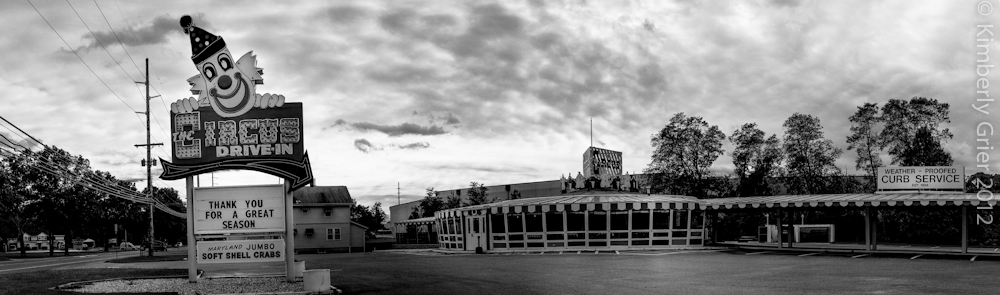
<point x="161" y="257"/>
<point x="17" y="255"/>
<point x="39" y="282"/>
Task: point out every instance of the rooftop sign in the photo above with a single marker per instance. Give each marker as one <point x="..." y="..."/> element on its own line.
<point x="921" y="178"/>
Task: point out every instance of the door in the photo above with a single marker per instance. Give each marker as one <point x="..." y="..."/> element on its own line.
<point x="477" y="232"/>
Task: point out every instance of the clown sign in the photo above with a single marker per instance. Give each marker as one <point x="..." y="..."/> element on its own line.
<point x="230" y="126"/>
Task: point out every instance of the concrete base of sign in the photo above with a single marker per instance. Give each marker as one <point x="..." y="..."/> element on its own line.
<point x="300" y="267"/>
<point x="316" y="280"/>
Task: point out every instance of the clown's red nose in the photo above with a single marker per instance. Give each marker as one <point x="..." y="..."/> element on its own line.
<point x="225" y="82"/>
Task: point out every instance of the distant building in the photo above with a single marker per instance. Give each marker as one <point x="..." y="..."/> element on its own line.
<point x="36" y="242"/>
<point x="322" y="217"/>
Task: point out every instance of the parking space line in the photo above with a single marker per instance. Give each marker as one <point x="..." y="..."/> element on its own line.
<point x="859" y="256"/>
<point x="616" y="252"/>
<point x="597" y="252"/>
<point x="755" y="253"/>
<point x="560" y="252"/>
<point x="973" y="258"/>
<point x="577" y="252"/>
<point x="935" y="247"/>
<point x="543" y="252"/>
<point x="808" y="254"/>
<point x="915" y="257"/>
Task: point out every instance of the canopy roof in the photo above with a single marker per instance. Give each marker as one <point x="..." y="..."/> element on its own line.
<point x="600" y="201"/>
<point x="844" y="200"/>
<point x="589" y="202"/>
<point x="418" y="221"/>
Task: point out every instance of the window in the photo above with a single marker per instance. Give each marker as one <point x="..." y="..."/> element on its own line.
<point x="680" y="219"/>
<point x="598" y="220"/>
<point x="697" y="222"/>
<point x="309" y="231"/>
<point x="475" y="225"/>
<point x="575" y="221"/>
<point x="661" y="219"/>
<point x="640" y="219"/>
<point x="533" y="222"/>
<point x="619" y="220"/>
<point x="333" y="234"/>
<point x="328" y="212"/>
<point x="497" y="221"/>
<point x="554" y="221"/>
<point x="514" y="223"/>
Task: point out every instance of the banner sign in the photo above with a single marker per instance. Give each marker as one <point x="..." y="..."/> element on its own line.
<point x="229" y="125"/>
<point x="243" y="251"/>
<point x="245" y="209"/>
<point x="930" y="177"/>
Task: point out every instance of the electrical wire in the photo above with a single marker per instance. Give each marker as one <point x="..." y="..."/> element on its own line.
<point x="82" y="61"/>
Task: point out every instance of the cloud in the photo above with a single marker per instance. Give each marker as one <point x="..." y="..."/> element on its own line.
<point x="365" y="146"/>
<point x="346" y="14"/>
<point x="368" y="147"/>
<point x="394" y="130"/>
<point x="414" y="146"/>
<point x="153" y="33"/>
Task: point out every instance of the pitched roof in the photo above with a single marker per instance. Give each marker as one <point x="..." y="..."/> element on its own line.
<point x="322" y="194"/>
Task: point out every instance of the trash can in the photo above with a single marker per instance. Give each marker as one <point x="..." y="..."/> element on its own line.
<point x="300" y="266"/>
<point x="316" y="280"/>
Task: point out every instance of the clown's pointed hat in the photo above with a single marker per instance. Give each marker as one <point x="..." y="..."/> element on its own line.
<point x="203" y="43"/>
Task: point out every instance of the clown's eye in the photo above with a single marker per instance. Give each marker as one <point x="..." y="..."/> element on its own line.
<point x="209" y="72"/>
<point x="225" y="64"/>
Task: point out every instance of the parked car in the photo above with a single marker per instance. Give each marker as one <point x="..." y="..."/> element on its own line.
<point x="157" y="246"/>
<point x="126" y="246"/>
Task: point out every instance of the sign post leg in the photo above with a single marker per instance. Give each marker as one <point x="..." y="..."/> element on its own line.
<point x="289" y="238"/>
<point x="192" y="262"/>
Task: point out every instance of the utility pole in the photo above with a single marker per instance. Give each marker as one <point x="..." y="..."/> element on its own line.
<point x="397" y="193"/>
<point x="149" y="161"/>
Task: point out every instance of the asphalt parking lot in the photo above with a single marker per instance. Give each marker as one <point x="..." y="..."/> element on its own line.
<point x="656" y="272"/>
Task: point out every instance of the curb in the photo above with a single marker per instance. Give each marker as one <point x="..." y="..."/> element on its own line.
<point x="72" y="285"/>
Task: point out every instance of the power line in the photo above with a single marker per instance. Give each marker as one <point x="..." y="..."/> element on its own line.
<point x="119" y="40"/>
<point x="143" y="48"/>
<point x="81" y="59"/>
<point x="99" y="184"/>
<point x="111" y="56"/>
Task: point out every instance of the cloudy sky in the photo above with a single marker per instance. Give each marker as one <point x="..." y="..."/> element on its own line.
<point x="441" y="93"/>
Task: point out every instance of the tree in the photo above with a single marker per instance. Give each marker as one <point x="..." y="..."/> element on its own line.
<point x="168" y="227"/>
<point x="14" y="199"/>
<point x="903" y="119"/>
<point x="371" y="218"/>
<point x="865" y="139"/>
<point x="683" y="151"/>
<point x="810" y="156"/>
<point x="925" y="150"/>
<point x="453" y="201"/>
<point x="515" y="195"/>
<point x="430" y="204"/>
<point x="478" y="194"/>
<point x="756" y="159"/>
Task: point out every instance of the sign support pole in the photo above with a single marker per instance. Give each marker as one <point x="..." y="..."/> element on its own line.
<point x="289" y="238"/>
<point x="192" y="259"/>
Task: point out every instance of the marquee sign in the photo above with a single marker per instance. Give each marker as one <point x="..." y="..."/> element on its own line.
<point x="229" y="125"/>
<point x="917" y="178"/>
<point x="244" y="209"/>
<point x="598" y="161"/>
<point x="272" y="250"/>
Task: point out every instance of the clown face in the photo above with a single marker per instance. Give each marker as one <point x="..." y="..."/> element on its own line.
<point x="230" y="91"/>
